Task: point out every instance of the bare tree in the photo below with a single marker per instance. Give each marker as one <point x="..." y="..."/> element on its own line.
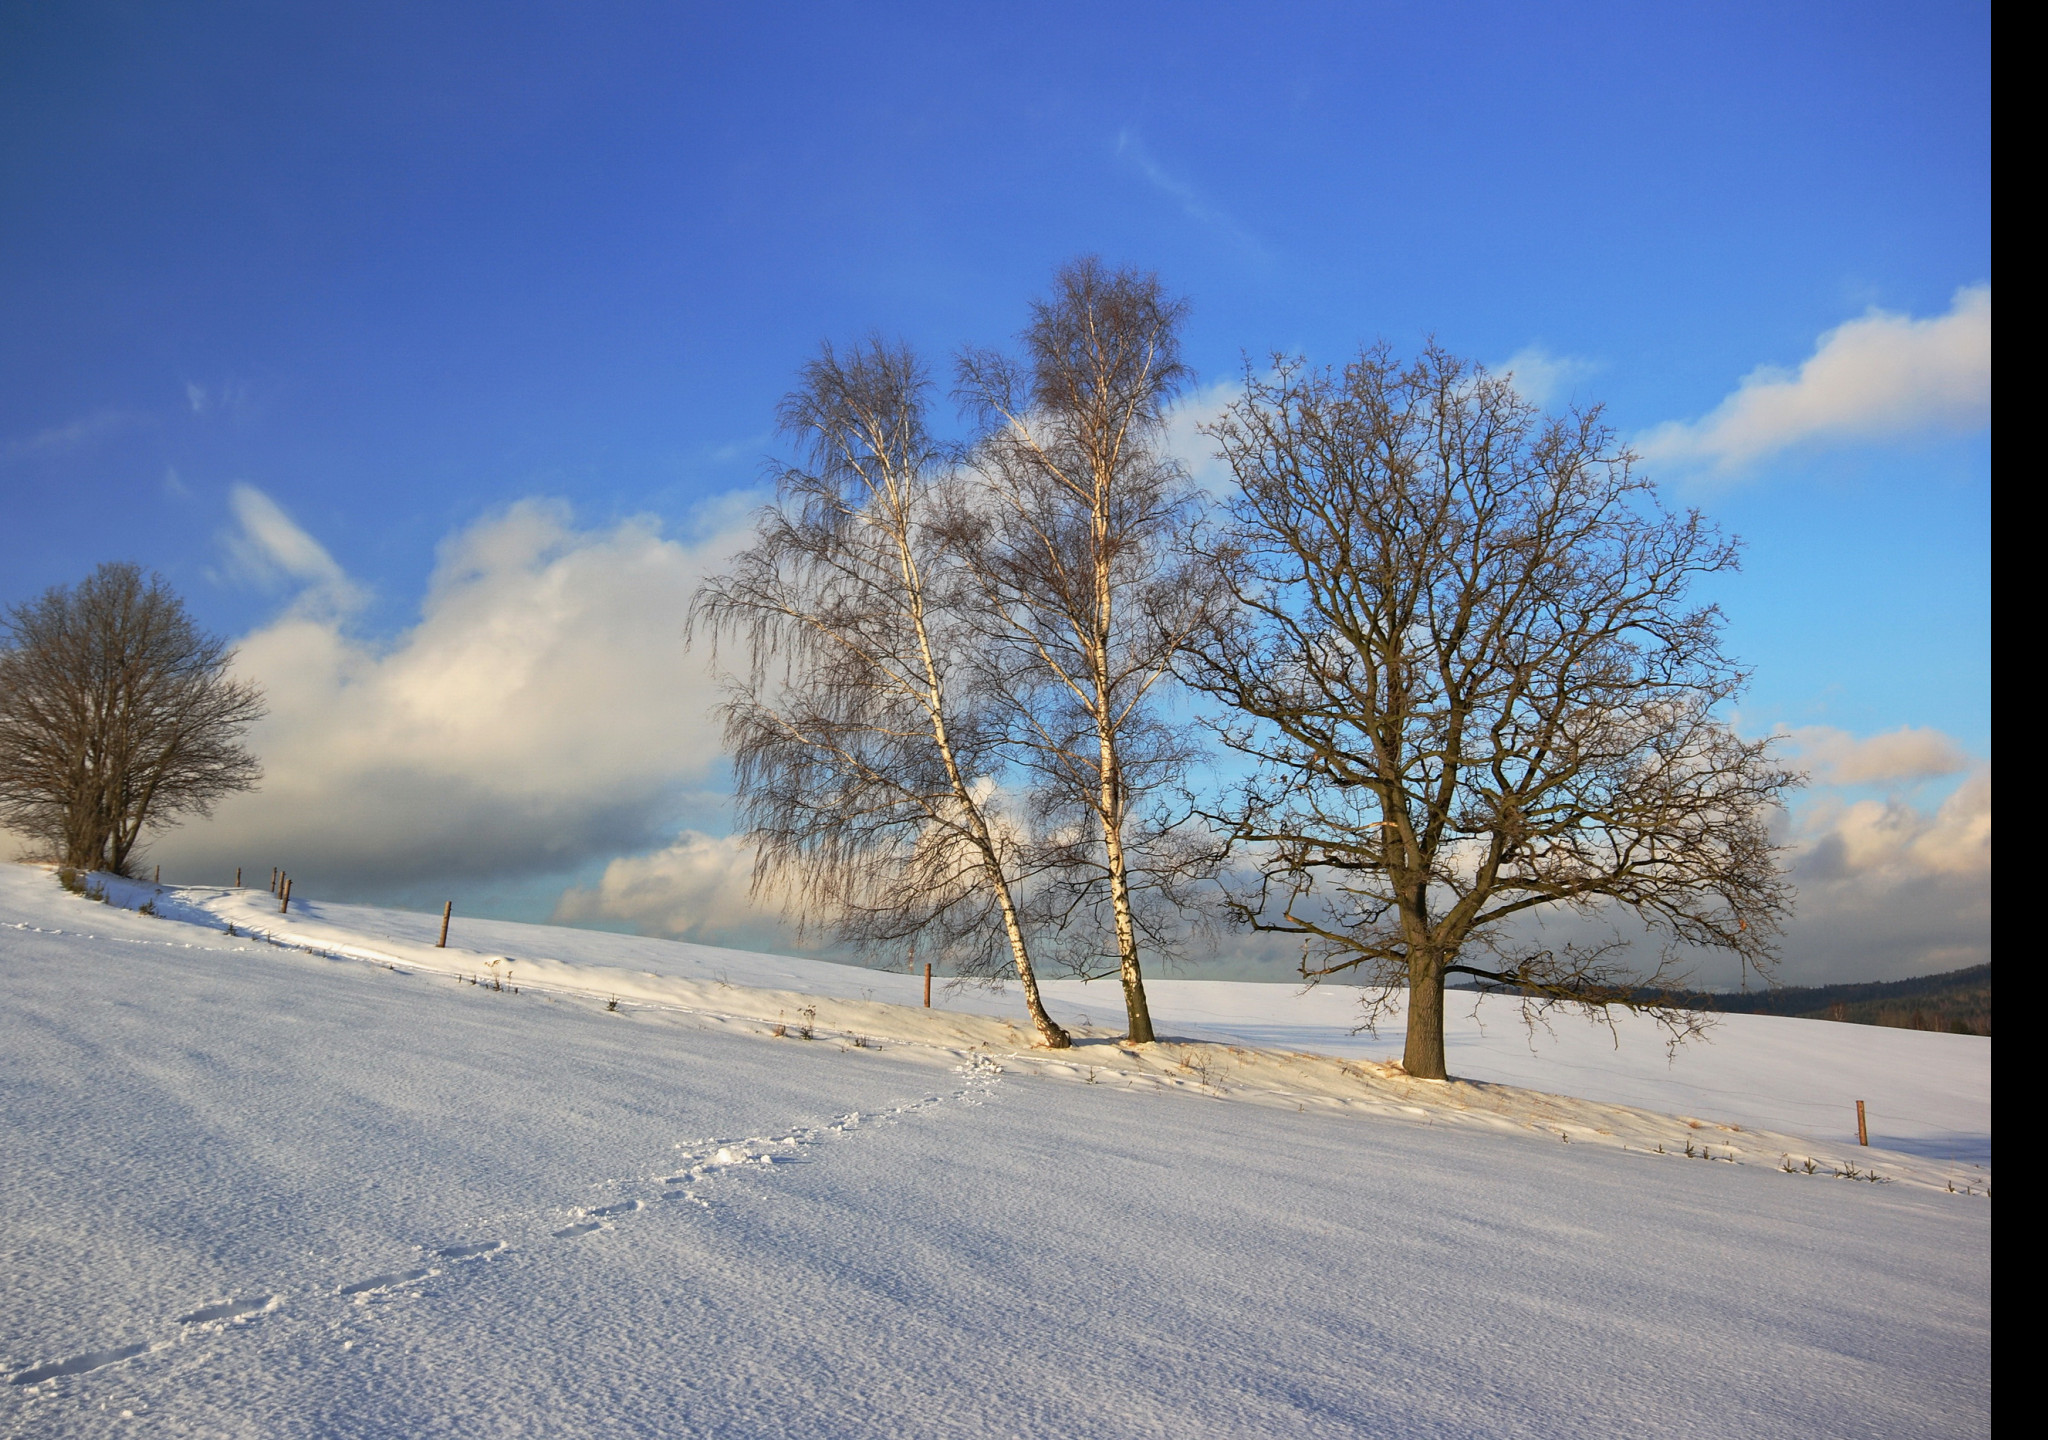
<point x="1466" y="666"/>
<point x="867" y="764"/>
<point x="117" y="714"/>
<point x="1086" y="595"/>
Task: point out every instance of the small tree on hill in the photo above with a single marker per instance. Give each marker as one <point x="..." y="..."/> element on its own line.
<point x="1472" y="686"/>
<point x="117" y="715"/>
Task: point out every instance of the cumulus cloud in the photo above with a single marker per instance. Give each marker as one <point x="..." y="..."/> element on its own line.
<point x="543" y="712"/>
<point x="1186" y="442"/>
<point x="1877" y="377"/>
<point x="1902" y="756"/>
<point x="1883" y="888"/>
<point x="699" y="887"/>
<point x="1540" y="377"/>
<point x="1888" y="887"/>
<point x="1892" y="840"/>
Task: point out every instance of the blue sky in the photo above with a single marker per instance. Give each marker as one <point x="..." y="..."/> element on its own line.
<point x="367" y="324"/>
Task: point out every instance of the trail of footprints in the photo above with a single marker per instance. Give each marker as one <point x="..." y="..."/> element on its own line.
<point x="706" y="1162"/>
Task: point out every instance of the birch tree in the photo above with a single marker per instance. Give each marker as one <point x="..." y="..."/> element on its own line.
<point x="868" y="765"/>
<point x="1472" y="686"/>
<point x="1085" y="596"/>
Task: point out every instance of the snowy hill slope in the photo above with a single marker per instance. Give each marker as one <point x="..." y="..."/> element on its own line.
<point x="253" y="1189"/>
<point x="1794" y="1082"/>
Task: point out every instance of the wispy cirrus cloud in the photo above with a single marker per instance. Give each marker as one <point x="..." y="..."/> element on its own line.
<point x="72" y="435"/>
<point x="1131" y="149"/>
<point x="267" y="548"/>
<point x="1880" y="376"/>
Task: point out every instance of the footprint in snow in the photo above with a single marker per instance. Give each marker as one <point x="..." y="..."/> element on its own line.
<point x="470" y="1252"/>
<point x="386" y="1282"/>
<point x="231" y="1310"/>
<point x="725" y="1157"/>
<point x="77" y="1364"/>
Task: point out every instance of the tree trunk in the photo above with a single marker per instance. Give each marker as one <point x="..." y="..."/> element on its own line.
<point x="1137" y="1011"/>
<point x="1050" y="1035"/>
<point x="1423" y="1057"/>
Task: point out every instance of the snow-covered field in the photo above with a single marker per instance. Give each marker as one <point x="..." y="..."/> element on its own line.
<point x="323" y="1187"/>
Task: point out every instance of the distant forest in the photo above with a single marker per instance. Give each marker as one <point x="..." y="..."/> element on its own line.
<point x="1958" y="1001"/>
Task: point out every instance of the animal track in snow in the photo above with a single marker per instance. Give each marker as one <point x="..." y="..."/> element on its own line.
<point x="714" y="1159"/>
<point x="705" y="1160"/>
<point x="470" y="1252"/>
<point x="232" y="1310"/>
<point x="386" y="1282"/>
<point x="78" y="1364"/>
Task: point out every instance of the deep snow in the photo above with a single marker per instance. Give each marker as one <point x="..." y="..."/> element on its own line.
<point x="255" y="1190"/>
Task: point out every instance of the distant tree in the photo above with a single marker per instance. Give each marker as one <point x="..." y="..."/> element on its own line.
<point x="117" y="715"/>
<point x="1085" y="597"/>
<point x="1471" y="685"/>
<point x="866" y="758"/>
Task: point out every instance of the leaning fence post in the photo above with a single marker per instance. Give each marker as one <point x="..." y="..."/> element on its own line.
<point x="1862" y="1127"/>
<point x="447" y="909"/>
<point x="284" y="902"/>
<point x="927" y="984"/>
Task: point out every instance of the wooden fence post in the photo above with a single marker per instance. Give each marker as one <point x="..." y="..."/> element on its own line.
<point x="927" y="984"/>
<point x="159" y="876"/>
<point x="447" y="909"/>
<point x="238" y="877"/>
<point x="284" y="901"/>
<point x="1862" y="1126"/>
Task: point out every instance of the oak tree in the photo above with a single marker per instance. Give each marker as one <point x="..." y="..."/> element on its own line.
<point x="1471" y="683"/>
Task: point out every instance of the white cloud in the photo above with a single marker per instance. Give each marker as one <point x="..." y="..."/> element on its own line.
<point x="268" y="548"/>
<point x="230" y="397"/>
<point x="1540" y="377"/>
<point x="700" y="888"/>
<point x="63" y="439"/>
<point x="1890" y="840"/>
<point x="1886" y="887"/>
<point x="1877" y="377"/>
<point x="543" y="712"/>
<point x="1191" y="201"/>
<point x="1186" y="442"/>
<point x="1835" y="757"/>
